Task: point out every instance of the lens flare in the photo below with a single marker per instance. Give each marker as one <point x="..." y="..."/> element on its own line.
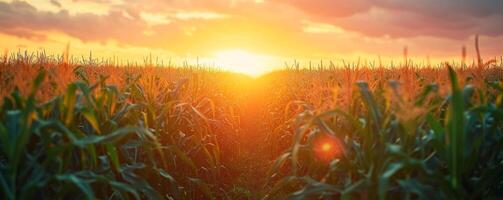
<point x="327" y="148"/>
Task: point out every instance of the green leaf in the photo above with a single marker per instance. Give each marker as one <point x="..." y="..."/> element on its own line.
<point x="37" y="82"/>
<point x="68" y="103"/>
<point x="314" y="188"/>
<point x="114" y="157"/>
<point x="345" y="195"/>
<point x="420" y="100"/>
<point x="6" y="187"/>
<point x="80" y="183"/>
<point x="91" y="118"/>
<point x="371" y="104"/>
<point x="106" y="138"/>
<point x="173" y="183"/>
<point x="139" y="183"/>
<point x="385" y="177"/>
<point x="424" y="192"/>
<point x="203" y="187"/>
<point x="455" y="130"/>
<point x="186" y="159"/>
<point x="125" y="187"/>
<point x="13" y="120"/>
<point x="278" y="163"/>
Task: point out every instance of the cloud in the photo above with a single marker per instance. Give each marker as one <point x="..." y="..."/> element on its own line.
<point x="26" y="34"/>
<point x="56" y="3"/>
<point x="20" y="14"/>
<point x="181" y="26"/>
<point x="442" y="8"/>
<point x="312" y="27"/>
<point x="276" y="26"/>
<point x="399" y="18"/>
<point x="153" y="19"/>
<point x="94" y="1"/>
<point x="331" y="8"/>
<point x="198" y="15"/>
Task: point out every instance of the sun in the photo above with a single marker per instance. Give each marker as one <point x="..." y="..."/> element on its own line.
<point x="242" y="61"/>
<point x="326" y="147"/>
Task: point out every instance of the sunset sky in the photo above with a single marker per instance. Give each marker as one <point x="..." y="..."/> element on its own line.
<point x="258" y="35"/>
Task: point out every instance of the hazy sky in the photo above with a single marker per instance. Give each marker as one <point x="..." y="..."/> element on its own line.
<point x="272" y="31"/>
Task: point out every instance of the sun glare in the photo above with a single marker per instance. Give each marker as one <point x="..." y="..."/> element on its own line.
<point x="242" y="61"/>
<point x="327" y="148"/>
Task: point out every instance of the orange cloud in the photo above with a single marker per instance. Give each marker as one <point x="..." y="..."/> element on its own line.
<point x="286" y="29"/>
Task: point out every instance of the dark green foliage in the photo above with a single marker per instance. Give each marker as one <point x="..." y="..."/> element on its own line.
<point x="141" y="141"/>
<point x="429" y="148"/>
<point x="94" y="141"/>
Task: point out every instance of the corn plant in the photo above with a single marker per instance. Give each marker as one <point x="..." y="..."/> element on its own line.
<point x="428" y="148"/>
<point x="89" y="142"/>
<point x="96" y="129"/>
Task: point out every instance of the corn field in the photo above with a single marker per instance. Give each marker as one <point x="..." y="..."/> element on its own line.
<point x="91" y="129"/>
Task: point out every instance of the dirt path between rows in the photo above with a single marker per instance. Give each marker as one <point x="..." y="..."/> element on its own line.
<point x="253" y="162"/>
